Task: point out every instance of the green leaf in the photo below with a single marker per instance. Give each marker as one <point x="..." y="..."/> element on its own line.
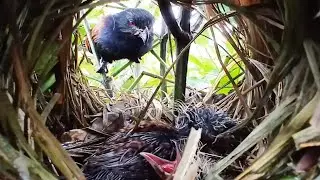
<point x="152" y="82"/>
<point x="227" y="60"/>
<point x="89" y="70"/>
<point x="230" y="48"/>
<point x="127" y="83"/>
<point x="203" y="65"/>
<point x="95" y="13"/>
<point x="48" y="83"/>
<point x="47" y="59"/>
<point x="202" y="40"/>
<point x="82" y="31"/>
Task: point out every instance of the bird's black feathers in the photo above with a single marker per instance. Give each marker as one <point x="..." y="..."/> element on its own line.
<point x="127" y="34"/>
<point x="118" y="157"/>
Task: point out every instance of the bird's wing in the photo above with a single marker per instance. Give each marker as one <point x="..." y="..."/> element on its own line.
<point x="95" y="33"/>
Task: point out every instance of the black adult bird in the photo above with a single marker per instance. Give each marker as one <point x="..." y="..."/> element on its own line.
<point x="127" y="34"/>
<point x="151" y="151"/>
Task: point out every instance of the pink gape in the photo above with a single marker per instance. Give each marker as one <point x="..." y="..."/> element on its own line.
<point x="164" y="168"/>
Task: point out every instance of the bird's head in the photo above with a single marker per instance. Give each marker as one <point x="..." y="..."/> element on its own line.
<point x="135" y="22"/>
<point x="164" y="168"/>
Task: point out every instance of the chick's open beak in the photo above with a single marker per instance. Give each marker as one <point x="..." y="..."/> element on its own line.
<point x="143" y="34"/>
<point x="164" y="168"/>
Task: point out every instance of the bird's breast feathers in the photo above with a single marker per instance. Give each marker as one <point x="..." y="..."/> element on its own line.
<point x="113" y="36"/>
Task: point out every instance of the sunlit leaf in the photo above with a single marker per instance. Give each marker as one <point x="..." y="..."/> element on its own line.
<point x="127" y="83"/>
<point x="152" y="82"/>
<point x="95" y="13"/>
<point x="202" y="40"/>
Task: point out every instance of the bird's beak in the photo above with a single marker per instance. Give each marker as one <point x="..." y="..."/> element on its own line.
<point x="143" y="34"/>
<point x="163" y="167"/>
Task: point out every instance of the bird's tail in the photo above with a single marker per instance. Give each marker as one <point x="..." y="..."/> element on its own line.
<point x="94" y="35"/>
<point x="87" y="44"/>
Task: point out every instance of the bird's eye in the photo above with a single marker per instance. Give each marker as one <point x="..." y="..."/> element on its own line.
<point x="131" y="23"/>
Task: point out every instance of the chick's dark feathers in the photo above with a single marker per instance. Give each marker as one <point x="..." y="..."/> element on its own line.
<point x="119" y="158"/>
<point x="127" y="34"/>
